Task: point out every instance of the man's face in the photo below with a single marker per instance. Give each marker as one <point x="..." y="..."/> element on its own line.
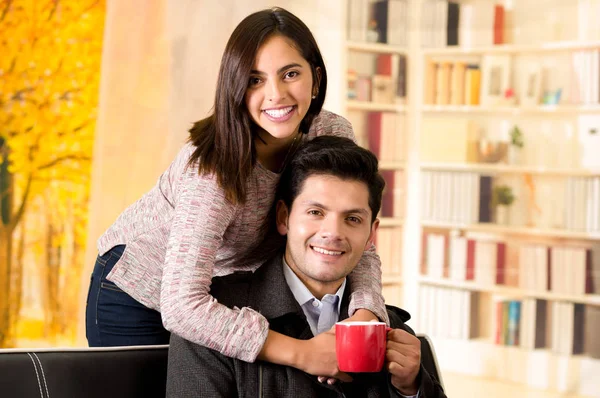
<point x="328" y="229"/>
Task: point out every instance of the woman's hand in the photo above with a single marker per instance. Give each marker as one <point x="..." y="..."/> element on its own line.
<point x="318" y="358"/>
<point x="362" y="315"/>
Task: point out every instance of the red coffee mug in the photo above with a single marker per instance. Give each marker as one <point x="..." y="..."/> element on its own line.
<point x="360" y="346"/>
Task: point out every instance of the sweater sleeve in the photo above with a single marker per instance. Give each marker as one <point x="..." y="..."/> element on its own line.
<point x="366" y="284"/>
<point x="201" y="217"/>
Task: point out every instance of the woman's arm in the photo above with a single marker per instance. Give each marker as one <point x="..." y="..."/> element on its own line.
<point x="365" y="282"/>
<point x="202" y="215"/>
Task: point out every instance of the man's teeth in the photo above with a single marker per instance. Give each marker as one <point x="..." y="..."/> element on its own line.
<point x="328" y="252"/>
<point x="277" y="113"/>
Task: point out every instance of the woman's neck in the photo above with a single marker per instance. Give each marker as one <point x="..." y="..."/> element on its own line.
<point x="271" y="152"/>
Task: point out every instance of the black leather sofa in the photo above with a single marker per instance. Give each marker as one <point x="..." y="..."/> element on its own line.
<point x="120" y="372"/>
<point x="88" y="373"/>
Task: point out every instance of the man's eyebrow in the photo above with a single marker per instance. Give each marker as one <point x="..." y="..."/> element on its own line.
<point x="288" y="66"/>
<point x="358" y="210"/>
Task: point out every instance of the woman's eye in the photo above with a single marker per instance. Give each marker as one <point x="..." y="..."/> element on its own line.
<point x="254" y="81"/>
<point x="314" y="212"/>
<point x="291" y="74"/>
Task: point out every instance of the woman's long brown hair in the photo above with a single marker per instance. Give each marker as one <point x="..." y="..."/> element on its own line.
<point x="224" y="140"/>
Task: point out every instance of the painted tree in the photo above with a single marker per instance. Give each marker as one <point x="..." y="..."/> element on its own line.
<point x="49" y="76"/>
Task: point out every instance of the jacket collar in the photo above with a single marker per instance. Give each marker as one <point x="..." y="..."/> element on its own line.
<point x="271" y="296"/>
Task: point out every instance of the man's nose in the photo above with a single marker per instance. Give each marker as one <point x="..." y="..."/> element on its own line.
<point x="331" y="227"/>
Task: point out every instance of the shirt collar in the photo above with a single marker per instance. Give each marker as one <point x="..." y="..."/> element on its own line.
<point x="299" y="289"/>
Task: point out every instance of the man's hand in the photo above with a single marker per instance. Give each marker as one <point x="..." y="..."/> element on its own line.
<point x="319" y="358"/>
<point x="403" y="356"/>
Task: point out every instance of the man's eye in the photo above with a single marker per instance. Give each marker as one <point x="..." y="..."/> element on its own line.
<point x="314" y="212"/>
<point x="354" y="219"/>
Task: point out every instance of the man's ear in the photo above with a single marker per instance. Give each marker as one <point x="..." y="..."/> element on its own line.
<point x="282" y="218"/>
<point x="372" y="234"/>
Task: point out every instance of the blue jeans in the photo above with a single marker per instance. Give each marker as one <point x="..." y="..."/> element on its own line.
<point x="113" y="317"/>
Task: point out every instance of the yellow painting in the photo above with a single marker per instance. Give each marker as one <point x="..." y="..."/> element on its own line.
<point x="49" y="78"/>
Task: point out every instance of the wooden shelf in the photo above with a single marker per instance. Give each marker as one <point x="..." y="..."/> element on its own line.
<point x="514" y="110"/>
<point x="494" y="168"/>
<point x="377" y="48"/>
<point x="592" y="299"/>
<point x="390" y="222"/>
<point x="374" y="107"/>
<point x="391" y="165"/>
<point x="549" y="47"/>
<point x="514" y="230"/>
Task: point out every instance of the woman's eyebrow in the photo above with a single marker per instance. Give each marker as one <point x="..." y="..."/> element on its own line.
<point x="288" y="66"/>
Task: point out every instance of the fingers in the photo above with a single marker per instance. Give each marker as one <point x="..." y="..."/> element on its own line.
<point x="341" y="376"/>
<point x="402" y="336"/>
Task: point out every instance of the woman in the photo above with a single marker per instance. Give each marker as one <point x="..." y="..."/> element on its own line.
<point x="206" y="213"/>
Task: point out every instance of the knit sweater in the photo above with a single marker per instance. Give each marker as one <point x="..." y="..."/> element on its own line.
<point x="183" y="232"/>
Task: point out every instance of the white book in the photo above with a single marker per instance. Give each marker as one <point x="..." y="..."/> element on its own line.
<point x="541" y="269"/>
<point x="458" y="258"/>
<point x="569" y="204"/>
<point x="568" y="313"/>
<point x="397" y="23"/>
<point x="578" y="273"/>
<point x="435" y="196"/>
<point x="581" y="208"/>
<point x="455" y="325"/>
<point x="440" y="306"/>
<point x="441" y="23"/>
<point x="426" y="195"/>
<point x="444" y="198"/>
<point x="445" y="317"/>
<point x="524" y="259"/>
<point x="555" y="333"/>
<point x="596" y="206"/>
<point x="358" y="20"/>
<point x="485" y="262"/>
<point x="556" y="279"/>
<point x="465" y="317"/>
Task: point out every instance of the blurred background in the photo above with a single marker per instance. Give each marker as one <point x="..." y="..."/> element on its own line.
<point x="485" y="116"/>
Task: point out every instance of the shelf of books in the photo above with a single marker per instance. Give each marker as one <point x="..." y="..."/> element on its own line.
<point x="509" y="184"/>
<point x="376" y="68"/>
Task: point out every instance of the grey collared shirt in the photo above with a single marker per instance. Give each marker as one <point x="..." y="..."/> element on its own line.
<point x="311" y="306"/>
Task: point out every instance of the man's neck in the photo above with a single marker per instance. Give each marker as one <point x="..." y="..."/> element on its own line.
<point x="317" y="288"/>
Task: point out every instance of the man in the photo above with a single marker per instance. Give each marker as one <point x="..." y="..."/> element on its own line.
<point x="329" y="197"/>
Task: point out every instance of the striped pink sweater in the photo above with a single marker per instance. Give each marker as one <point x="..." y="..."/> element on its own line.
<point x="183" y="232"/>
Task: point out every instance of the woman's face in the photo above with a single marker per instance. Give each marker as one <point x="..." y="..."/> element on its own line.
<point x="280" y="89"/>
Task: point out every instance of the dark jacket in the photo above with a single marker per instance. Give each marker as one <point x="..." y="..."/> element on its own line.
<point x="196" y="371"/>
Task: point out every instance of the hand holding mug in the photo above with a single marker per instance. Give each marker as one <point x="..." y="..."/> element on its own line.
<point x="320" y="358"/>
<point x="403" y="357"/>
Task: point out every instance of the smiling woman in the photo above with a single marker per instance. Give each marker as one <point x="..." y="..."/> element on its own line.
<point x="208" y="210"/>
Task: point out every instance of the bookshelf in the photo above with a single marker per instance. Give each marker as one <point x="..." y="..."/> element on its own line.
<point x="550" y="248"/>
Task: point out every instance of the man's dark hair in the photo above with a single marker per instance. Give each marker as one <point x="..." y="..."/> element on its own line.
<point x="336" y="156"/>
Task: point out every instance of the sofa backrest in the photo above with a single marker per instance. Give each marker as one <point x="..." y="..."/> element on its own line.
<point x="126" y="372"/>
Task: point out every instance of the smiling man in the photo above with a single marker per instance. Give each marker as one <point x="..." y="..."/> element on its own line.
<point x="328" y="200"/>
